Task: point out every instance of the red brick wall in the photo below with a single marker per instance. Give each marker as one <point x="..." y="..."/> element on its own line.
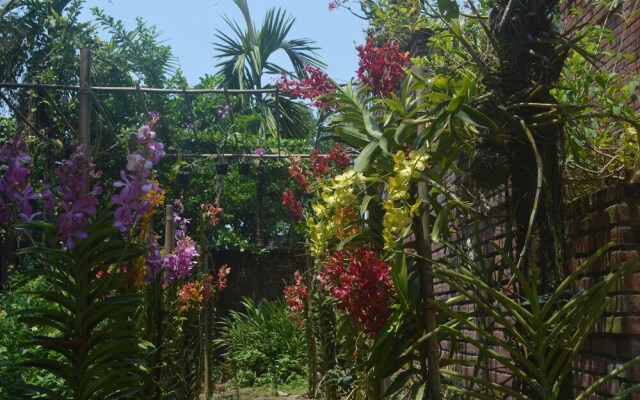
<point x="609" y="215"/>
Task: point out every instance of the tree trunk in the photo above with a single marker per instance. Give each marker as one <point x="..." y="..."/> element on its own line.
<point x="528" y="70"/>
<point x="526" y="74"/>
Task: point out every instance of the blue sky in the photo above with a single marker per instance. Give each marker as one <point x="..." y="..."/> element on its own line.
<point x="188" y="26"/>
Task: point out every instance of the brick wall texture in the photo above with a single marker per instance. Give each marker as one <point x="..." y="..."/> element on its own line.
<point x="609" y="215"/>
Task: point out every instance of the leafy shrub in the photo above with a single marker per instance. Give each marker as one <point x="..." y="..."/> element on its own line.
<point x="12" y="336"/>
<point x="262" y="345"/>
<point x="92" y="342"/>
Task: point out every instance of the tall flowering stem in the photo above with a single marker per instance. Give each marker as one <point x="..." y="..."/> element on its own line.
<point x="296" y="295"/>
<point x="333" y="211"/>
<point x="77" y="199"/>
<point x="321" y="167"/>
<point x="139" y="196"/>
<point x="292" y="206"/>
<point x="195" y="293"/>
<point x="212" y="211"/>
<point x="399" y="209"/>
<point x="223" y="274"/>
<point x="179" y="264"/>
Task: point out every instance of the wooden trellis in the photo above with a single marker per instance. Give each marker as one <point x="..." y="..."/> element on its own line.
<point x="85" y="94"/>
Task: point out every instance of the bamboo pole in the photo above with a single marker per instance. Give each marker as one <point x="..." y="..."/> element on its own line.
<point x="221" y="156"/>
<point x="206" y="333"/>
<point x="84" y="99"/>
<point x="169" y="243"/>
<point x="428" y="295"/>
<point x="277" y="105"/>
<point x="427" y="290"/>
<point x="126" y="89"/>
<point x="169" y="230"/>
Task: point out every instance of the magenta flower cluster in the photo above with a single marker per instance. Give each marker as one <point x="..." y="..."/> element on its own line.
<point x="153" y="258"/>
<point x="15" y="190"/>
<point x="133" y="201"/>
<point x="77" y="199"/>
<point x="223" y="111"/>
<point x="179" y="221"/>
<point x="180" y="263"/>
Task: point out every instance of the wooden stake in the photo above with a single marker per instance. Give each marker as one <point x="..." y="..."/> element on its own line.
<point x="84" y="99"/>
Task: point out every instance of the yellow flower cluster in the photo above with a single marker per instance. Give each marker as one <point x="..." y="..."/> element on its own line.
<point x="334" y="211"/>
<point x="193" y="294"/>
<point x="398" y="210"/>
<point x="155" y="199"/>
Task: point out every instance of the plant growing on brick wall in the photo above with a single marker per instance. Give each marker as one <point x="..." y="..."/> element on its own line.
<point x="540" y="335"/>
<point x="601" y="124"/>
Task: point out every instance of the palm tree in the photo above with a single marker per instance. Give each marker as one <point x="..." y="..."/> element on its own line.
<point x="244" y="59"/>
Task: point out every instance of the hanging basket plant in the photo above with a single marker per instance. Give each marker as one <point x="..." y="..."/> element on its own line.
<point x="222" y="168"/>
<point x="244" y="168"/>
<point x="183" y="177"/>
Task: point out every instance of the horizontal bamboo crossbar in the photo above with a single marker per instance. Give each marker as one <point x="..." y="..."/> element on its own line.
<point x="11" y="85"/>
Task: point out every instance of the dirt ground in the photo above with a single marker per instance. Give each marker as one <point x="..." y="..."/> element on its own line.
<point x="256" y="393"/>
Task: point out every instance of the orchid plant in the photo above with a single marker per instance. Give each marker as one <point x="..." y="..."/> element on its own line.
<point x="99" y="264"/>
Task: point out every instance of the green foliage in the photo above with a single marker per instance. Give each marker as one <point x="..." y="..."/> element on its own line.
<point x="262" y="345"/>
<point x="182" y="352"/>
<point x="380" y="127"/>
<point x="92" y="337"/>
<point x="14" y="334"/>
<point x="245" y="54"/>
<point x="245" y="58"/>
<point x="602" y="130"/>
<point x="139" y="51"/>
<point x="244" y="197"/>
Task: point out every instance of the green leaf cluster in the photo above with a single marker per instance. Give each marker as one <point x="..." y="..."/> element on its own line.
<point x="92" y="337"/>
<point x="262" y="345"/>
